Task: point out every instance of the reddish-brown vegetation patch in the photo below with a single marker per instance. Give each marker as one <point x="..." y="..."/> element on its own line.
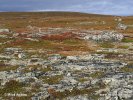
<point x="60" y="37"/>
<point x="17" y="42"/>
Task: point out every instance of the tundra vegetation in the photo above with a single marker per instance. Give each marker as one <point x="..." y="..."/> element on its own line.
<point x="65" y="56"/>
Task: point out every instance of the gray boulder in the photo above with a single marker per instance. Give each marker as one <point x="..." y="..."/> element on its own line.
<point x="105" y="36"/>
<point x="4" y="30"/>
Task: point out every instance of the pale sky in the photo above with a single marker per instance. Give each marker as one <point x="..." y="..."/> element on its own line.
<point x="112" y="7"/>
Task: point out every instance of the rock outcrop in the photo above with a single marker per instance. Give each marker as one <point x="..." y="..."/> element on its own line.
<point x="105" y="36"/>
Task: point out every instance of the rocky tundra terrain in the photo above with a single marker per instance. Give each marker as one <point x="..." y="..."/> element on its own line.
<point x="65" y="56"/>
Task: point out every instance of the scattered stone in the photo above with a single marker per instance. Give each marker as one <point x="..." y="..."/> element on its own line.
<point x="121" y="26"/>
<point x="4" y="30"/>
<point x="105" y="36"/>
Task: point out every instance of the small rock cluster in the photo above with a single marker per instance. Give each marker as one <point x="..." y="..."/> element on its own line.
<point x="105" y="36"/>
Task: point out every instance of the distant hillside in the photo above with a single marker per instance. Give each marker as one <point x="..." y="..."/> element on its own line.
<point x="20" y="20"/>
<point x="49" y="14"/>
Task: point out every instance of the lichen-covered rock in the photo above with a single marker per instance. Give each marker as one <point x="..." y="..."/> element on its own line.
<point x="105" y="36"/>
<point x="121" y="26"/>
<point x="4" y="30"/>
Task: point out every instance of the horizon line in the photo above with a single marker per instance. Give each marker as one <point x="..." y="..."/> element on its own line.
<point x="43" y="11"/>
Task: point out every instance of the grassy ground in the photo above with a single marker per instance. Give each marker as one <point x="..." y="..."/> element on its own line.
<point x="19" y="21"/>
